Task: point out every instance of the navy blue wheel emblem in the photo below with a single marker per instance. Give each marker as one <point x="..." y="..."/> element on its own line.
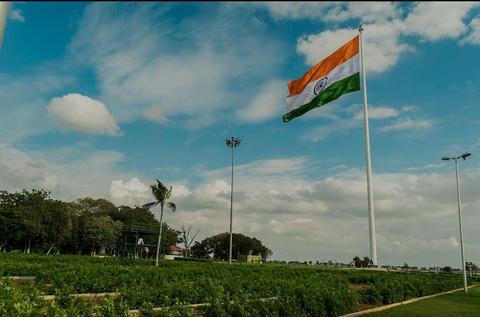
<point x="320" y="85"/>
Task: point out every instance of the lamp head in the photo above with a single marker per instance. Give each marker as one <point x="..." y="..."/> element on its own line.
<point x="465" y="155"/>
<point x="232" y="142"/>
<point x="445" y="158"/>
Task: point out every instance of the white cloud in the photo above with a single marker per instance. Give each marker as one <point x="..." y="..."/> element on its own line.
<point x="438" y="20"/>
<point x="366" y="12"/>
<point x="16" y="15"/>
<point x="382" y="45"/>
<point x="338" y="126"/>
<point x="276" y="201"/>
<point x="349" y="118"/>
<point x="333" y="12"/>
<point x="264" y="167"/>
<point x="295" y="10"/>
<point x="81" y="113"/>
<point x="426" y="167"/>
<point x="145" y="69"/>
<point x="378" y="113"/>
<point x="155" y="114"/>
<point x="180" y="190"/>
<point x="409" y="108"/>
<point x="136" y="192"/>
<point x="267" y="104"/>
<point x="199" y="122"/>
<point x="133" y="192"/>
<point x="67" y="172"/>
<point x="474" y="36"/>
<point x="408" y="124"/>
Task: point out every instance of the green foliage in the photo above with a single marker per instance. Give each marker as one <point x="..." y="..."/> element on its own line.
<point x="26" y="302"/>
<point x="103" y="232"/>
<point x="176" y="310"/>
<point x="161" y="193"/>
<point x="387" y="288"/>
<point x="365" y="262"/>
<point x="231" y="290"/>
<point x="217" y="247"/>
<point x="370" y="295"/>
<point x="32" y="221"/>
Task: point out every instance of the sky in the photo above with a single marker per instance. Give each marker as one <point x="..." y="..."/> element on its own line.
<point x="101" y="99"/>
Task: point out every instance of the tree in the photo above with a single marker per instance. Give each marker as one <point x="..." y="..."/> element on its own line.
<point x="11" y="224"/>
<point x="81" y="218"/>
<point x="357" y="261"/>
<point x="57" y="224"/>
<point x="137" y="214"/>
<point x="101" y="207"/>
<point x="186" y="239"/>
<point x="82" y="212"/>
<point x="217" y="247"/>
<point x="33" y="221"/>
<point x="30" y="206"/>
<point x="170" y="236"/>
<point x="366" y="261"/>
<point x="102" y="233"/>
<point x="161" y="194"/>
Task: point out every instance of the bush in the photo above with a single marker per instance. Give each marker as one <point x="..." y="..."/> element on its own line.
<point x="232" y="290"/>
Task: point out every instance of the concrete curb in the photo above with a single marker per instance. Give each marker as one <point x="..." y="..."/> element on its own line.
<point x="413" y="300"/>
<point x="83" y="295"/>
<point x="196" y="308"/>
<point x="19" y="278"/>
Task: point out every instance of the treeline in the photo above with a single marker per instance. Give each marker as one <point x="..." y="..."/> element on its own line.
<point x="32" y="221"/>
<point x="217" y="247"/>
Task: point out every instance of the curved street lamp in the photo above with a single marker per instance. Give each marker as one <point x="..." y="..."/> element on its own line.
<point x="455" y="159"/>
<point x="231" y="143"/>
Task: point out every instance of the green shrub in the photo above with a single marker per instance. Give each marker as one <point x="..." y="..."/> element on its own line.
<point x="232" y="290"/>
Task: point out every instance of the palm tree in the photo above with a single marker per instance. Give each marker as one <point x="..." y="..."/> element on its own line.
<point x="161" y="194"/>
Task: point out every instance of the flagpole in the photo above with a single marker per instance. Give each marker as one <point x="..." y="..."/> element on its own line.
<point x="371" y="212"/>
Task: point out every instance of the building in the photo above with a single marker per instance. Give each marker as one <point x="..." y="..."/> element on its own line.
<point x="250" y="258"/>
<point x="174" y="252"/>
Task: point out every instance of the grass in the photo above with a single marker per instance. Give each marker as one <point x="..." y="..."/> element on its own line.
<point x="457" y="304"/>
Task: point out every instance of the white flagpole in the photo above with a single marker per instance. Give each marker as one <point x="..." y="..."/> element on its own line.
<point x="371" y="212"/>
<point x="3" y="19"/>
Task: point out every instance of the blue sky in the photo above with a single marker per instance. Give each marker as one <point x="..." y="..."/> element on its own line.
<point x="101" y="99"/>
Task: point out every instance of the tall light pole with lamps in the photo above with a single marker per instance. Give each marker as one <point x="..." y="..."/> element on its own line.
<point x="455" y="159"/>
<point x="231" y="143"/>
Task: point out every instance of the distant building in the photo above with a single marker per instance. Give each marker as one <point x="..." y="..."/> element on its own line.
<point x="250" y="258"/>
<point x="174" y="252"/>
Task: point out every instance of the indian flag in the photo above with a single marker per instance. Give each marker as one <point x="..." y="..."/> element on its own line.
<point x="334" y="76"/>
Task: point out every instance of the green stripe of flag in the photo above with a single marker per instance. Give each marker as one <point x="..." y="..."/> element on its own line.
<point x="344" y="86"/>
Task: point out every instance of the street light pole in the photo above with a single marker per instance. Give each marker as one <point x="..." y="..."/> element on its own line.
<point x="231" y="143"/>
<point x="455" y="159"/>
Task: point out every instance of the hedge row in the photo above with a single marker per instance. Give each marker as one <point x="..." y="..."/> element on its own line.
<point x="232" y="290"/>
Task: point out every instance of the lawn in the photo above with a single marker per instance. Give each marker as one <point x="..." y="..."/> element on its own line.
<point x="457" y="304"/>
